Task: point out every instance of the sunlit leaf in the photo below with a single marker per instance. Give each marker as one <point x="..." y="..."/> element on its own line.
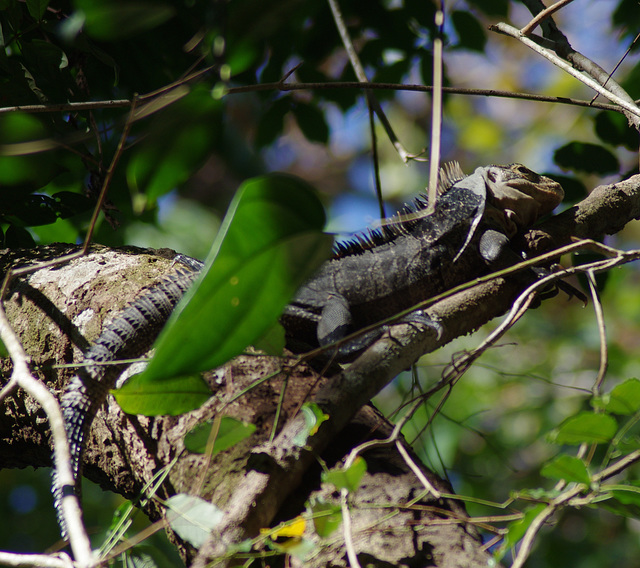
<point x="624" y="398"/>
<point x="585" y="428"/>
<point x="269" y="243"/>
<point x="326" y="517"/>
<point x="230" y="432"/>
<point x="568" y="468"/>
<point x="172" y="397"/>
<point x="192" y="518"/>
<point x="313" y="418"/>
<point x="517" y="529"/>
<point x="348" y="479"/>
<point x="292" y="529"/>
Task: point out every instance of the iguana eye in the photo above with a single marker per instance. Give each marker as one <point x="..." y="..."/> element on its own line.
<point x="524" y="170"/>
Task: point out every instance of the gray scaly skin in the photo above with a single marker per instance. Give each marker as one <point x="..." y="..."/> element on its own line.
<point x="412" y="257"/>
<point x="415" y="256"/>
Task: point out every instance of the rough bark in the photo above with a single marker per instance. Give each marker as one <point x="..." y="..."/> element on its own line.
<point x="58" y="311"/>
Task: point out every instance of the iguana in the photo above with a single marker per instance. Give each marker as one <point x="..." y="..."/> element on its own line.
<point x="409" y="258"/>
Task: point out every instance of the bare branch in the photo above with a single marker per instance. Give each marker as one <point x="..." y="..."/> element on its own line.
<point x="70" y="506"/>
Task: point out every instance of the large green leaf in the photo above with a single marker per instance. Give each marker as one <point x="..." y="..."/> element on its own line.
<point x="269" y="243"/>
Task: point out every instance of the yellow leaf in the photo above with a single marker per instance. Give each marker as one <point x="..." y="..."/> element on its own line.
<point x="292" y="529"/>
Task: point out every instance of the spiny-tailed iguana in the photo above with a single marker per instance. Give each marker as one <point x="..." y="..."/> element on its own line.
<point x="410" y="258"/>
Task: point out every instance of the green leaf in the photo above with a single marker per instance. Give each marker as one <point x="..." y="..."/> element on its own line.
<point x="311" y="121"/>
<point x="517" y="529"/>
<point x="177" y="143"/>
<point x="37" y="8"/>
<point x="269" y="243"/>
<point x="326" y="517"/>
<point x="613" y="128"/>
<point x="585" y="428"/>
<point x="471" y="34"/>
<point x="626" y="493"/>
<point x="624" y="398"/>
<point x="313" y="417"/>
<point x="113" y="20"/>
<point x="569" y="468"/>
<point x="348" y="479"/>
<point x="585" y="157"/>
<point x="300" y="548"/>
<point x="272" y="121"/>
<point x="192" y="518"/>
<point x="25" y="163"/>
<point x="171" y="397"/>
<point x="230" y="432"/>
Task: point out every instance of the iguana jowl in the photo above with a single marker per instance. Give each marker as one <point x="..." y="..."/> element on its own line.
<point x="409" y="259"/>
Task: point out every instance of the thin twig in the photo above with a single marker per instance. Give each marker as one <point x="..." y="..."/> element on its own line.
<point x="376" y="162"/>
<point x="533" y="24"/>
<point x="108" y="177"/>
<point x="347" y="530"/>
<point x="416" y="470"/>
<point x="556" y="60"/>
<point x="602" y="331"/>
<point x="358" y="69"/>
<point x="436" y="112"/>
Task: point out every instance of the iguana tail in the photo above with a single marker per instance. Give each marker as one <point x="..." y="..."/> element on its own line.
<point x="130" y="334"/>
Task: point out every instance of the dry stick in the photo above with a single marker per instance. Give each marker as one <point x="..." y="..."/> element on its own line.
<point x="376" y="161"/>
<point x="330" y="85"/>
<point x="108" y="178"/>
<point x="602" y="331"/>
<point x="615" y="67"/>
<point x="347" y="529"/>
<point x="436" y="113"/>
<point x="629" y="106"/>
<point x="58" y="560"/>
<point x="70" y="504"/>
<point x="533" y="24"/>
<point x="362" y="78"/>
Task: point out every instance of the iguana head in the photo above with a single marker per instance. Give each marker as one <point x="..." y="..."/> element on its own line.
<point x="518" y="195"/>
